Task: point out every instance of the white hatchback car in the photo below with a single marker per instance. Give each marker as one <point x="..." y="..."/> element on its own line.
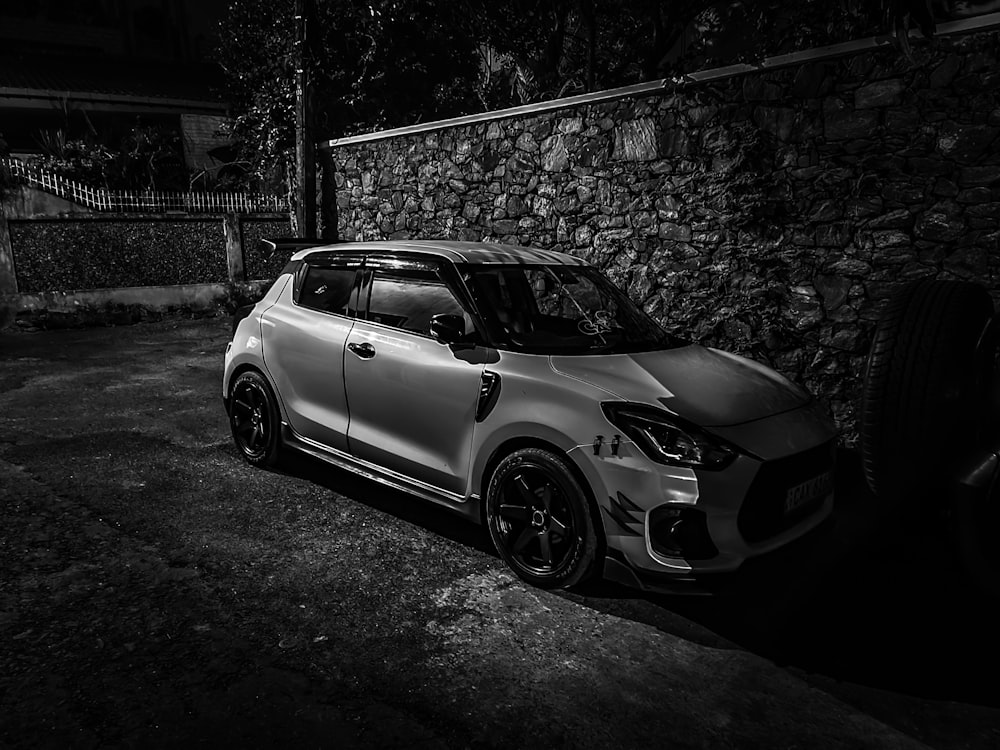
<point x="524" y="390"/>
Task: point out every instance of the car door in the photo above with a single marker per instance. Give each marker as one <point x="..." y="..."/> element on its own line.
<point x="304" y="337"/>
<point x="412" y="399"/>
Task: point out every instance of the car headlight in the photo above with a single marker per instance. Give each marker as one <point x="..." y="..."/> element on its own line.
<point x="666" y="439"/>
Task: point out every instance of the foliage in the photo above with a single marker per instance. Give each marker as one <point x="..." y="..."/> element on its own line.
<point x="152" y="158"/>
<point x="78" y="159"/>
<point x="541" y="49"/>
<point x="372" y="65"/>
<point x="148" y="158"/>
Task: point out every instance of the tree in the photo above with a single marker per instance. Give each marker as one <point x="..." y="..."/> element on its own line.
<point x="542" y="49"/>
<point x="372" y="65"/>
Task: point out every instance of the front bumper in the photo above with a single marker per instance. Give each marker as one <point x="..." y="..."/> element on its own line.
<point x="748" y="509"/>
<point x="765" y="573"/>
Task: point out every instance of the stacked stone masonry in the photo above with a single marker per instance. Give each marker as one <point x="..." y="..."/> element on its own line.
<point x="768" y="214"/>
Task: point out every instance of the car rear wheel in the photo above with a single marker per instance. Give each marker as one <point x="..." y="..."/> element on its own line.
<point x="254" y="420"/>
<point x="539" y="521"/>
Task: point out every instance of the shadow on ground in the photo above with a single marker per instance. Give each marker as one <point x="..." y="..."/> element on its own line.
<point x="874" y="604"/>
<point x="871" y="604"/>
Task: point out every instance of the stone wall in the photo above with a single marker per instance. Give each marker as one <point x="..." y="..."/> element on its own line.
<point x="88" y="253"/>
<point x="61" y="264"/>
<point x="767" y="214"/>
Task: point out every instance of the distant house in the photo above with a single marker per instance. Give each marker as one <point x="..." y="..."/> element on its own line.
<point x="99" y="68"/>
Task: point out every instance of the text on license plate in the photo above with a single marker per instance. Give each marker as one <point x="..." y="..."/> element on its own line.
<point x="800" y="494"/>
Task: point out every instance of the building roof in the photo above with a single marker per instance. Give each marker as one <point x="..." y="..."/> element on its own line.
<point x="111" y="80"/>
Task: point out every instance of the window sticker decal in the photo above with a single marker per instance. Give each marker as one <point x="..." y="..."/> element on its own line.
<point x="600" y="323"/>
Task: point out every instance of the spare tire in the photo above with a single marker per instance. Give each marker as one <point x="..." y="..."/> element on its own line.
<point x="924" y="389"/>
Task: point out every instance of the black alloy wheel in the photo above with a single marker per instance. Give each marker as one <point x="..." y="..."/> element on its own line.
<point x="539" y="521"/>
<point x="253" y="418"/>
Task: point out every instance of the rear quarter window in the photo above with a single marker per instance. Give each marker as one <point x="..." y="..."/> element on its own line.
<point x="327" y="289"/>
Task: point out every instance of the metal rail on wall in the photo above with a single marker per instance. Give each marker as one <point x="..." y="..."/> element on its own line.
<point x="102" y="199"/>
<point x="984" y="22"/>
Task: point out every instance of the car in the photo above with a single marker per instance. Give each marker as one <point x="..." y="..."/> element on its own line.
<point x="522" y="389"/>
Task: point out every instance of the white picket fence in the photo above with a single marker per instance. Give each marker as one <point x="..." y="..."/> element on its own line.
<point x="102" y="199"/>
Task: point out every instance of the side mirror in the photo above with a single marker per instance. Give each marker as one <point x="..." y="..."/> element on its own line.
<point x="448" y="328"/>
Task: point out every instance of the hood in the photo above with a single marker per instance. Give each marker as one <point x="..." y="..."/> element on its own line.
<point x="708" y="387"/>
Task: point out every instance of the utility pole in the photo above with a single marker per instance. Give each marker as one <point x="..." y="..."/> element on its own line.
<point x="590" y="19"/>
<point x="305" y="156"/>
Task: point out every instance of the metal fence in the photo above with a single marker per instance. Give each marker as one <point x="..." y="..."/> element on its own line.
<point x="102" y="199"/>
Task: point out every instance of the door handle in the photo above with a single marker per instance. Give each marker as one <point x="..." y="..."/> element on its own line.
<point x="365" y="350"/>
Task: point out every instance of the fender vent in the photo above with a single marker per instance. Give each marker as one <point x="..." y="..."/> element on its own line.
<point x="489" y="391"/>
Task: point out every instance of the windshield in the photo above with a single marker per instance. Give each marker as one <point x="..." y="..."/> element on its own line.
<point x="552" y="309"/>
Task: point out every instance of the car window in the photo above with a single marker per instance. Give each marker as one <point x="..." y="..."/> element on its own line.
<point x="327" y="289"/>
<point x="556" y="309"/>
<point x="407" y="298"/>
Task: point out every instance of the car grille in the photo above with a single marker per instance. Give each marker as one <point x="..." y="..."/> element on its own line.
<point x="762" y="514"/>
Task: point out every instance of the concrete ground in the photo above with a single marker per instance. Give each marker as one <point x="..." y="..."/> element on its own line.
<point x="158" y="592"/>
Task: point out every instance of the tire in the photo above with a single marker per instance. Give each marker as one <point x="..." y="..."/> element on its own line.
<point x="923" y="390"/>
<point x="254" y="419"/>
<point x="539" y="521"/>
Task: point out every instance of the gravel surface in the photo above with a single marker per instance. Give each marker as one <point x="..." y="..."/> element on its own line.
<point x="158" y="592"/>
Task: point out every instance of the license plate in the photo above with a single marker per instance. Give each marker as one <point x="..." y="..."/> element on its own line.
<point x="811" y="489"/>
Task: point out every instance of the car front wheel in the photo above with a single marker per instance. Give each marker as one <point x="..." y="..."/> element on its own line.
<point x="538" y="519"/>
<point x="254" y="420"/>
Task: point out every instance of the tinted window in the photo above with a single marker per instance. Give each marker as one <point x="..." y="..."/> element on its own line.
<point x="407" y="298"/>
<point x="552" y="309"/>
<point x="327" y="289"/>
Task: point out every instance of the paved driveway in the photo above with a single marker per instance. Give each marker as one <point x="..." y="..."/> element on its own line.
<point x="156" y="591"/>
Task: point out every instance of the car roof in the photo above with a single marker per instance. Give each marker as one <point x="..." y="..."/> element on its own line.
<point x="458" y="252"/>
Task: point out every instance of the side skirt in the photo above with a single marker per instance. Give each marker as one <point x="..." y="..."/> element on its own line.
<point x="464" y="506"/>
